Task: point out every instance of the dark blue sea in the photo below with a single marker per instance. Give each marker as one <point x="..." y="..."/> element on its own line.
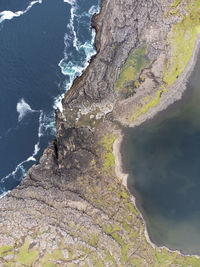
<point x="44" y="45"/>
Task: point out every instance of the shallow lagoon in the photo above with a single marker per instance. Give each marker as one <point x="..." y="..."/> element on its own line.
<point x="163" y="159"/>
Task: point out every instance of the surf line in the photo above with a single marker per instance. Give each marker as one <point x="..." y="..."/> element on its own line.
<point x="70" y="68"/>
<point x="71" y="24"/>
<point x="30" y="158"/>
<point x="8" y="15"/>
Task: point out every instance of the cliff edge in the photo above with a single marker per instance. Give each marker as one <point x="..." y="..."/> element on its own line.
<point x="73" y="208"/>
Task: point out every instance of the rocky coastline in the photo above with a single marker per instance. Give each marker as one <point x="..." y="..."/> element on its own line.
<point x="73" y="208"/>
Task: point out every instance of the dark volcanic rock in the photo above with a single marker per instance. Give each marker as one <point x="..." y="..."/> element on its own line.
<point x="71" y="209"/>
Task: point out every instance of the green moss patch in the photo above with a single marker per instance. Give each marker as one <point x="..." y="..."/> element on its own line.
<point x="26" y="256"/>
<point x="113" y="46"/>
<point x="192" y="261"/>
<point x="4" y="249"/>
<point x="175" y="3"/>
<point x="143" y="110"/>
<point x="132" y="68"/>
<point x="183" y="39"/>
<point x="108" y="157"/>
<point x="164" y="258"/>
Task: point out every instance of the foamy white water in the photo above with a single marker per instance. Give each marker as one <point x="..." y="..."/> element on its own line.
<point x="69" y="68"/>
<point x="71" y="24"/>
<point x="94" y="9"/>
<point x="23" y="109"/>
<point x="18" y="168"/>
<point x="30" y="158"/>
<point x="45" y="123"/>
<point x="71" y="2"/>
<point x="3" y="194"/>
<point x="8" y="15"/>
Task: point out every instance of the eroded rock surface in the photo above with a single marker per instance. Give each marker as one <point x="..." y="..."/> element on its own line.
<point x="71" y="209"/>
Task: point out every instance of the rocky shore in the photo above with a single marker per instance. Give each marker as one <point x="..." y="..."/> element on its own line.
<point x="73" y="208"/>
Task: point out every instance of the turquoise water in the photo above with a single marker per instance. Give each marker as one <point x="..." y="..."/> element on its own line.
<point x="163" y="159"/>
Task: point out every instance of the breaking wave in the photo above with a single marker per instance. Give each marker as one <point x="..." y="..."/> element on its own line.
<point x="4" y="193"/>
<point x="8" y="15"/>
<point x="23" y="109"/>
<point x="20" y="168"/>
<point x="46" y="126"/>
<point x="72" y="67"/>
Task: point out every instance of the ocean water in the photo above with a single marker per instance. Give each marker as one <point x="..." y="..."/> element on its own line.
<point x="44" y="45"/>
<point x="163" y="159"/>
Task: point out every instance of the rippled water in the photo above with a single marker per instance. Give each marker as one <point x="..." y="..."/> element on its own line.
<point x="163" y="157"/>
<point x="44" y="45"/>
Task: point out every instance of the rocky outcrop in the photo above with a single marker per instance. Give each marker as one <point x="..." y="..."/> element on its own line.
<point x="71" y="209"/>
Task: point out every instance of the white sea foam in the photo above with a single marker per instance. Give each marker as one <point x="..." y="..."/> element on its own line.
<point x="17" y="169"/>
<point x="73" y="70"/>
<point x="20" y="166"/>
<point x="23" y="109"/>
<point x="70" y="68"/>
<point x="71" y="2"/>
<point x="46" y="124"/>
<point x="71" y="24"/>
<point x="3" y="194"/>
<point x="94" y="9"/>
<point x="8" y="15"/>
<point x="49" y="124"/>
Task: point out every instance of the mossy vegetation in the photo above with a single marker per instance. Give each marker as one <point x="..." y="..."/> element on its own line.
<point x="114" y="232"/>
<point x="107" y="156"/>
<point x="115" y="215"/>
<point x="144" y="108"/>
<point x="132" y="68"/>
<point x="192" y="261"/>
<point x="5" y="250"/>
<point x="183" y="37"/>
<point x="113" y="46"/>
<point x="93" y="162"/>
<point x="175" y="3"/>
<point x="174" y="12"/>
<point x="110" y="258"/>
<point x="132" y="209"/>
<point x="91" y="239"/>
<point x="137" y="84"/>
<point x="89" y="119"/>
<point x="27" y="256"/>
<point x="164" y="258"/>
<point x="128" y="248"/>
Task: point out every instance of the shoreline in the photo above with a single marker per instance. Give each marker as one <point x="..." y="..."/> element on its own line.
<point x="106" y="226"/>
<point x="94" y="25"/>
<point x="57" y="105"/>
<point x="175" y="93"/>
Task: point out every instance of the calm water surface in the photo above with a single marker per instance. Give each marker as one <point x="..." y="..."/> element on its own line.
<point x="163" y="158"/>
